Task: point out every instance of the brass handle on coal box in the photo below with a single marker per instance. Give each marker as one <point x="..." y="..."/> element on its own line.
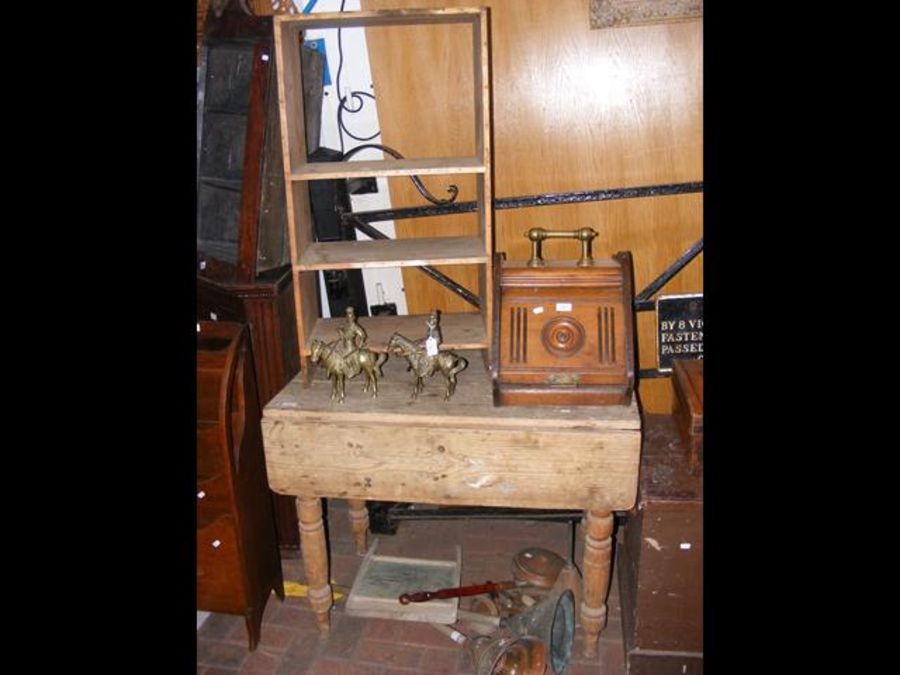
<point x="537" y="235"/>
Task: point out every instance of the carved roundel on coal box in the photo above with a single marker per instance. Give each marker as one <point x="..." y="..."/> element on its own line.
<point x="563" y="336"/>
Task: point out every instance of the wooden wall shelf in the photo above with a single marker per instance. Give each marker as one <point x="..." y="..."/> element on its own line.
<point x="459" y="331"/>
<point x="428" y="166"/>
<point x="338" y="255"/>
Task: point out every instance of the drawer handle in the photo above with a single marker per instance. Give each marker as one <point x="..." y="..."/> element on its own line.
<point x="201" y="494"/>
<point x="217" y="543"/>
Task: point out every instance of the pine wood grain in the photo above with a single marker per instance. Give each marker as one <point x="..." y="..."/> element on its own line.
<point x="417" y="463"/>
<point x="462" y="451"/>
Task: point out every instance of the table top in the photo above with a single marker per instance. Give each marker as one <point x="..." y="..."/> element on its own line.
<point x="471" y="406"/>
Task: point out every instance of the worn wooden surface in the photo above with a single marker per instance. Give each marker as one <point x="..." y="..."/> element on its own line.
<point x="573" y="109"/>
<point x="464" y="451"/>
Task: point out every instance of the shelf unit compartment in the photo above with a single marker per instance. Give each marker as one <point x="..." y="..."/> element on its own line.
<point x="460" y="150"/>
<point x="458" y="331"/>
<point x="473" y="247"/>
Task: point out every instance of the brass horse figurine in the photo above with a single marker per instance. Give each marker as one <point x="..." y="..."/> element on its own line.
<point x="424" y="365"/>
<point x="340" y="367"/>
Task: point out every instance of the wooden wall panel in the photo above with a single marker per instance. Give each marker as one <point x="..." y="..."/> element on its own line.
<point x="573" y="109"/>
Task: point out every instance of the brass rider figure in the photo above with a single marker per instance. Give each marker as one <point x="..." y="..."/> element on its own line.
<point x="353" y="336"/>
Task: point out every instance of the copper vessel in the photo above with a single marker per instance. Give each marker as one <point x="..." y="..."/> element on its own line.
<point x="537" y="566"/>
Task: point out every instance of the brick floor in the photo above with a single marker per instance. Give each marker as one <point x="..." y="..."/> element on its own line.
<point x="290" y="642"/>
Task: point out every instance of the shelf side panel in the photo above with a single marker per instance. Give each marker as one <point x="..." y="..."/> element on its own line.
<point x="293" y="150"/>
<point x="481" y="79"/>
<point x="290" y="95"/>
<point x="485" y="188"/>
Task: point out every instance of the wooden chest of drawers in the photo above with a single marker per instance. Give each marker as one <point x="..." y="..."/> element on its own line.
<point x="238" y="564"/>
<point x="267" y="305"/>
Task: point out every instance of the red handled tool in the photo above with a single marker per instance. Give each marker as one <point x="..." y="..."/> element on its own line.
<point x="459" y="592"/>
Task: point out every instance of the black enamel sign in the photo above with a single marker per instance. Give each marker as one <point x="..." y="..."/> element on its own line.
<point x="679" y="332"/>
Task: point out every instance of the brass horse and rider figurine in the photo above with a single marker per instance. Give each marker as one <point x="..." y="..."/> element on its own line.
<point x="348" y="356"/>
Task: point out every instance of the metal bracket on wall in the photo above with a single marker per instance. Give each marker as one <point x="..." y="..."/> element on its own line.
<point x="546" y="199"/>
<point x="642" y="302"/>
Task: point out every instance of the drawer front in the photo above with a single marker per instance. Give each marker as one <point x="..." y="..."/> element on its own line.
<point x="210" y="452"/>
<point x="213" y="500"/>
<point x="220" y="584"/>
<point x="209" y="392"/>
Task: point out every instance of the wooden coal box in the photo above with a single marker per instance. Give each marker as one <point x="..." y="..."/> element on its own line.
<point x="564" y="333"/>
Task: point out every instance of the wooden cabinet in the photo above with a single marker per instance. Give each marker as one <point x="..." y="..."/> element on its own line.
<point x="240" y="187"/>
<point x="237" y="554"/>
<point x="660" y="559"/>
<point x="267" y="304"/>
<point x="687" y="384"/>
<point x="308" y="257"/>
<point x="244" y="273"/>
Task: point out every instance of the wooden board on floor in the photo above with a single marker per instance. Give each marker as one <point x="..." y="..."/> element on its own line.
<point x="382" y="579"/>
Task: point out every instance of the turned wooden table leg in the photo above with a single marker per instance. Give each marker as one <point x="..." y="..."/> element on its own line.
<point x="315" y="558"/>
<point x="596" y="566"/>
<point x="359" y="521"/>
